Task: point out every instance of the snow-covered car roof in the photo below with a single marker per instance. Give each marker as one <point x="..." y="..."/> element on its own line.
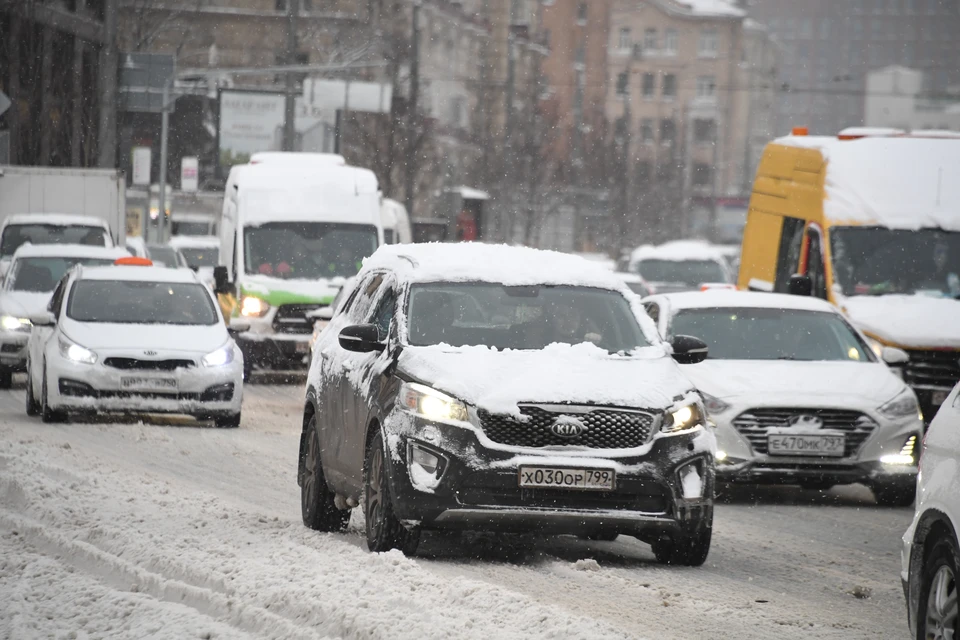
<point x="297" y="158"/>
<point x="726" y="298"/>
<point x="69" y="251"/>
<point x="194" y="242"/>
<point x="63" y="219"/>
<point x="678" y="250"/>
<point x="502" y="264"/>
<point x="134" y="273"/>
<point x="895" y="182"/>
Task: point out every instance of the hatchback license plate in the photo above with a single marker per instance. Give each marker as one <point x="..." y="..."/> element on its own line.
<point x="566" y="478"/>
<point x="148" y="384"/>
<point x="800" y="445"/>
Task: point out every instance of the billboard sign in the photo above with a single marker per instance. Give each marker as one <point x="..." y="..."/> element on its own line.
<point x="189" y="168"/>
<point x="141" y="165"/>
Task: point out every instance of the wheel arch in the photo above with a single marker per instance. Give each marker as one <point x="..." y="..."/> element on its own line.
<point x="932" y="526"/>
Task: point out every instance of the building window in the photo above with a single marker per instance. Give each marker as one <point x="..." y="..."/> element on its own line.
<point x="806" y="29"/>
<point x="623" y="83"/>
<point x="704" y="130"/>
<point x="650" y="40"/>
<point x="825" y="29"/>
<point x="643" y="172"/>
<point x="648" y="85"/>
<point x="669" y="86"/>
<point x="876" y="29"/>
<point x="625" y="42"/>
<point x="701" y="175"/>
<point x="909" y="6"/>
<point x="670" y="42"/>
<point x="706" y="86"/>
<point x="546" y="38"/>
<point x="668" y="131"/>
<point x="709" y="43"/>
<point x="582" y="13"/>
<point x="646" y="130"/>
<point x="579" y="55"/>
<point x="456" y="112"/>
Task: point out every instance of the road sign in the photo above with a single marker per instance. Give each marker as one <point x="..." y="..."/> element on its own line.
<point x="142" y="76"/>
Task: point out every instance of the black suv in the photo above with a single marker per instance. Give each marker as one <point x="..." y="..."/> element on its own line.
<point x="503" y="389"/>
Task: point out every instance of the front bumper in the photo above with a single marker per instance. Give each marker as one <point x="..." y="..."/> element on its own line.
<point x="289" y="351"/>
<point x="478" y="488"/>
<point x="13" y="349"/>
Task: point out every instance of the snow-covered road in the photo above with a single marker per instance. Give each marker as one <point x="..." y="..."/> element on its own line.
<point x="171" y="531"/>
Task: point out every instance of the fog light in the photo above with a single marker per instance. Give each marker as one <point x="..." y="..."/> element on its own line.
<point x="427" y="461"/>
<point x="691" y="482"/>
<point x="906" y="453"/>
<point x="425" y="467"/>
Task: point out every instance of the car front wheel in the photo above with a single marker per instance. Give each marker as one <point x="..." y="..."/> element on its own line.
<point x="690" y="546"/>
<point x="317" y="504"/>
<point x="384" y="529"/>
<point x="937" y="617"/>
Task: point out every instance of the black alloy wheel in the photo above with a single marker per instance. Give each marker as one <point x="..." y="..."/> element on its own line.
<point x="317" y="502"/>
<point x="384" y="530"/>
<point x="690" y="546"/>
<point x="937" y="605"/>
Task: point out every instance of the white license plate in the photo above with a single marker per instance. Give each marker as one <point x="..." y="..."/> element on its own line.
<point x="937" y="398"/>
<point x="566" y="478"/>
<point x="130" y="383"/>
<point x="802" y="445"/>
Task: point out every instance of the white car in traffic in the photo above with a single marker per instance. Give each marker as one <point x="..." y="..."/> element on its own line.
<point x="797" y="394"/>
<point x="680" y="265"/>
<point x="930" y="555"/>
<point x="133" y="339"/>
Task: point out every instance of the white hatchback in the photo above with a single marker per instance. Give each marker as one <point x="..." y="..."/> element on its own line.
<point x="930" y="555"/>
<point x="133" y="339"/>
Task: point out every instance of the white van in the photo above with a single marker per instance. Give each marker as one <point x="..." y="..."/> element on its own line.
<point x="290" y="235"/>
<point x="396" y="222"/>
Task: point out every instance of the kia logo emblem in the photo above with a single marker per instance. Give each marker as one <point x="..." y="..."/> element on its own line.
<point x="567" y="427"/>
<point x="805" y="420"/>
<point x="149" y="353"/>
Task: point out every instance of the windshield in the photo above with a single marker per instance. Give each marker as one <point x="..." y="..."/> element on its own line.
<point x="138" y="302"/>
<point x="181" y="228"/>
<point x="201" y="257"/>
<point x="874" y="261"/>
<point x="307" y="249"/>
<point x="164" y="257"/>
<point x="771" y="334"/>
<point x="521" y="317"/>
<point x="689" y="272"/>
<point x="41" y="275"/>
<point x="16" y="235"/>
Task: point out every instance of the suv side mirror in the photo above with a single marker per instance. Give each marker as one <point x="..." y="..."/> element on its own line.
<point x="894" y="356"/>
<point x="43" y="319"/>
<point x="220" y="283"/>
<point x="800" y="285"/>
<point x="689" y="350"/>
<point x="361" y="338"/>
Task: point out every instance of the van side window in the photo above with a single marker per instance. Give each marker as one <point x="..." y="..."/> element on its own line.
<point x="815" y="268"/>
<point x="788" y="257"/>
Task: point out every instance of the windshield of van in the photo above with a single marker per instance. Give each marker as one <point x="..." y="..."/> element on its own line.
<point x="40" y="275"/>
<point x="875" y="261"/>
<point x="689" y="272"/>
<point x="530" y="317"/>
<point x="771" y="334"/>
<point x="307" y="249"/>
<point x="139" y="302"/>
<point x="16" y="235"/>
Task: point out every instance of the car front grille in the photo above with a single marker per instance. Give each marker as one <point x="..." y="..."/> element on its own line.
<point x="932" y="368"/>
<point x="603" y="427"/>
<point x="135" y="364"/>
<point x="292" y="318"/>
<point x="754" y="425"/>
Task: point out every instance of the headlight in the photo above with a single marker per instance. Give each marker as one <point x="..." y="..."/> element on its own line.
<point x="713" y="405"/>
<point x="218" y="358"/>
<point x="875" y="346"/>
<point x="76" y="353"/>
<point x="431" y="404"/>
<point x="680" y="419"/>
<point x="12" y="323"/>
<point x="252" y="307"/>
<point x="904" y="404"/>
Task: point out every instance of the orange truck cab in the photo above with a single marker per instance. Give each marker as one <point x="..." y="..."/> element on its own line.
<point x="871" y="220"/>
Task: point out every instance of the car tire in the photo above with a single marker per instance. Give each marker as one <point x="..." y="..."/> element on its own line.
<point x="317" y="505"/>
<point x="6" y="377"/>
<point x="937" y="602"/>
<point x="895" y="495"/>
<point x="231" y="421"/>
<point x="690" y="546"/>
<point x="384" y="530"/>
<point x="33" y="407"/>
<point x="47" y="414"/>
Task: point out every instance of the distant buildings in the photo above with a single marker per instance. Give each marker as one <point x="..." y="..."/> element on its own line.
<point x="895" y="97"/>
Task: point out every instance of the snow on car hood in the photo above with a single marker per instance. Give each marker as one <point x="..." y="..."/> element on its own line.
<point x="163" y="338"/>
<point x="498" y="380"/>
<point x="23" y="304"/>
<point x="793" y="382"/>
<point x="907" y="321"/>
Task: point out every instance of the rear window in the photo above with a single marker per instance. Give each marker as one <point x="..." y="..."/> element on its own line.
<point x="40" y="275"/>
<point x="138" y="302"/>
<point x="17" y="235"/>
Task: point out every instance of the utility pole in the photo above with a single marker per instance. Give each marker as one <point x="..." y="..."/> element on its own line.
<point x="164" y="132"/>
<point x="410" y="168"/>
<point x="289" y="111"/>
<point x="509" y="160"/>
<point x="625" y="179"/>
<point x="107" y="130"/>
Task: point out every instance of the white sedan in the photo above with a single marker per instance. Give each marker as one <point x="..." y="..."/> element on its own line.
<point x="133" y="339"/>
<point x="796" y="393"/>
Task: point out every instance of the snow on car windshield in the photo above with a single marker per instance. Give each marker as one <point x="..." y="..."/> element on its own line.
<point x="521" y="317"/>
<point x="138" y="302"/>
<point x="771" y="334"/>
<point x="689" y="272"/>
<point x="201" y="257"/>
<point x="307" y="249"/>
<point x="16" y="235"/>
<point x="40" y="275"/>
<point x="875" y="261"/>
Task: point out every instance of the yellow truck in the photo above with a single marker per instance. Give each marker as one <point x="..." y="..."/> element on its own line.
<point x="871" y="222"/>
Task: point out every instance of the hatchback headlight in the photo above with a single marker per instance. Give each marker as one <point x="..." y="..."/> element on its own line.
<point x="682" y="418"/>
<point x="903" y="404"/>
<point x="431" y="404"/>
<point x="13" y="323"/>
<point x="220" y="357"/>
<point x="253" y="307"/>
<point x="713" y="405"/>
<point x="76" y="353"/>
